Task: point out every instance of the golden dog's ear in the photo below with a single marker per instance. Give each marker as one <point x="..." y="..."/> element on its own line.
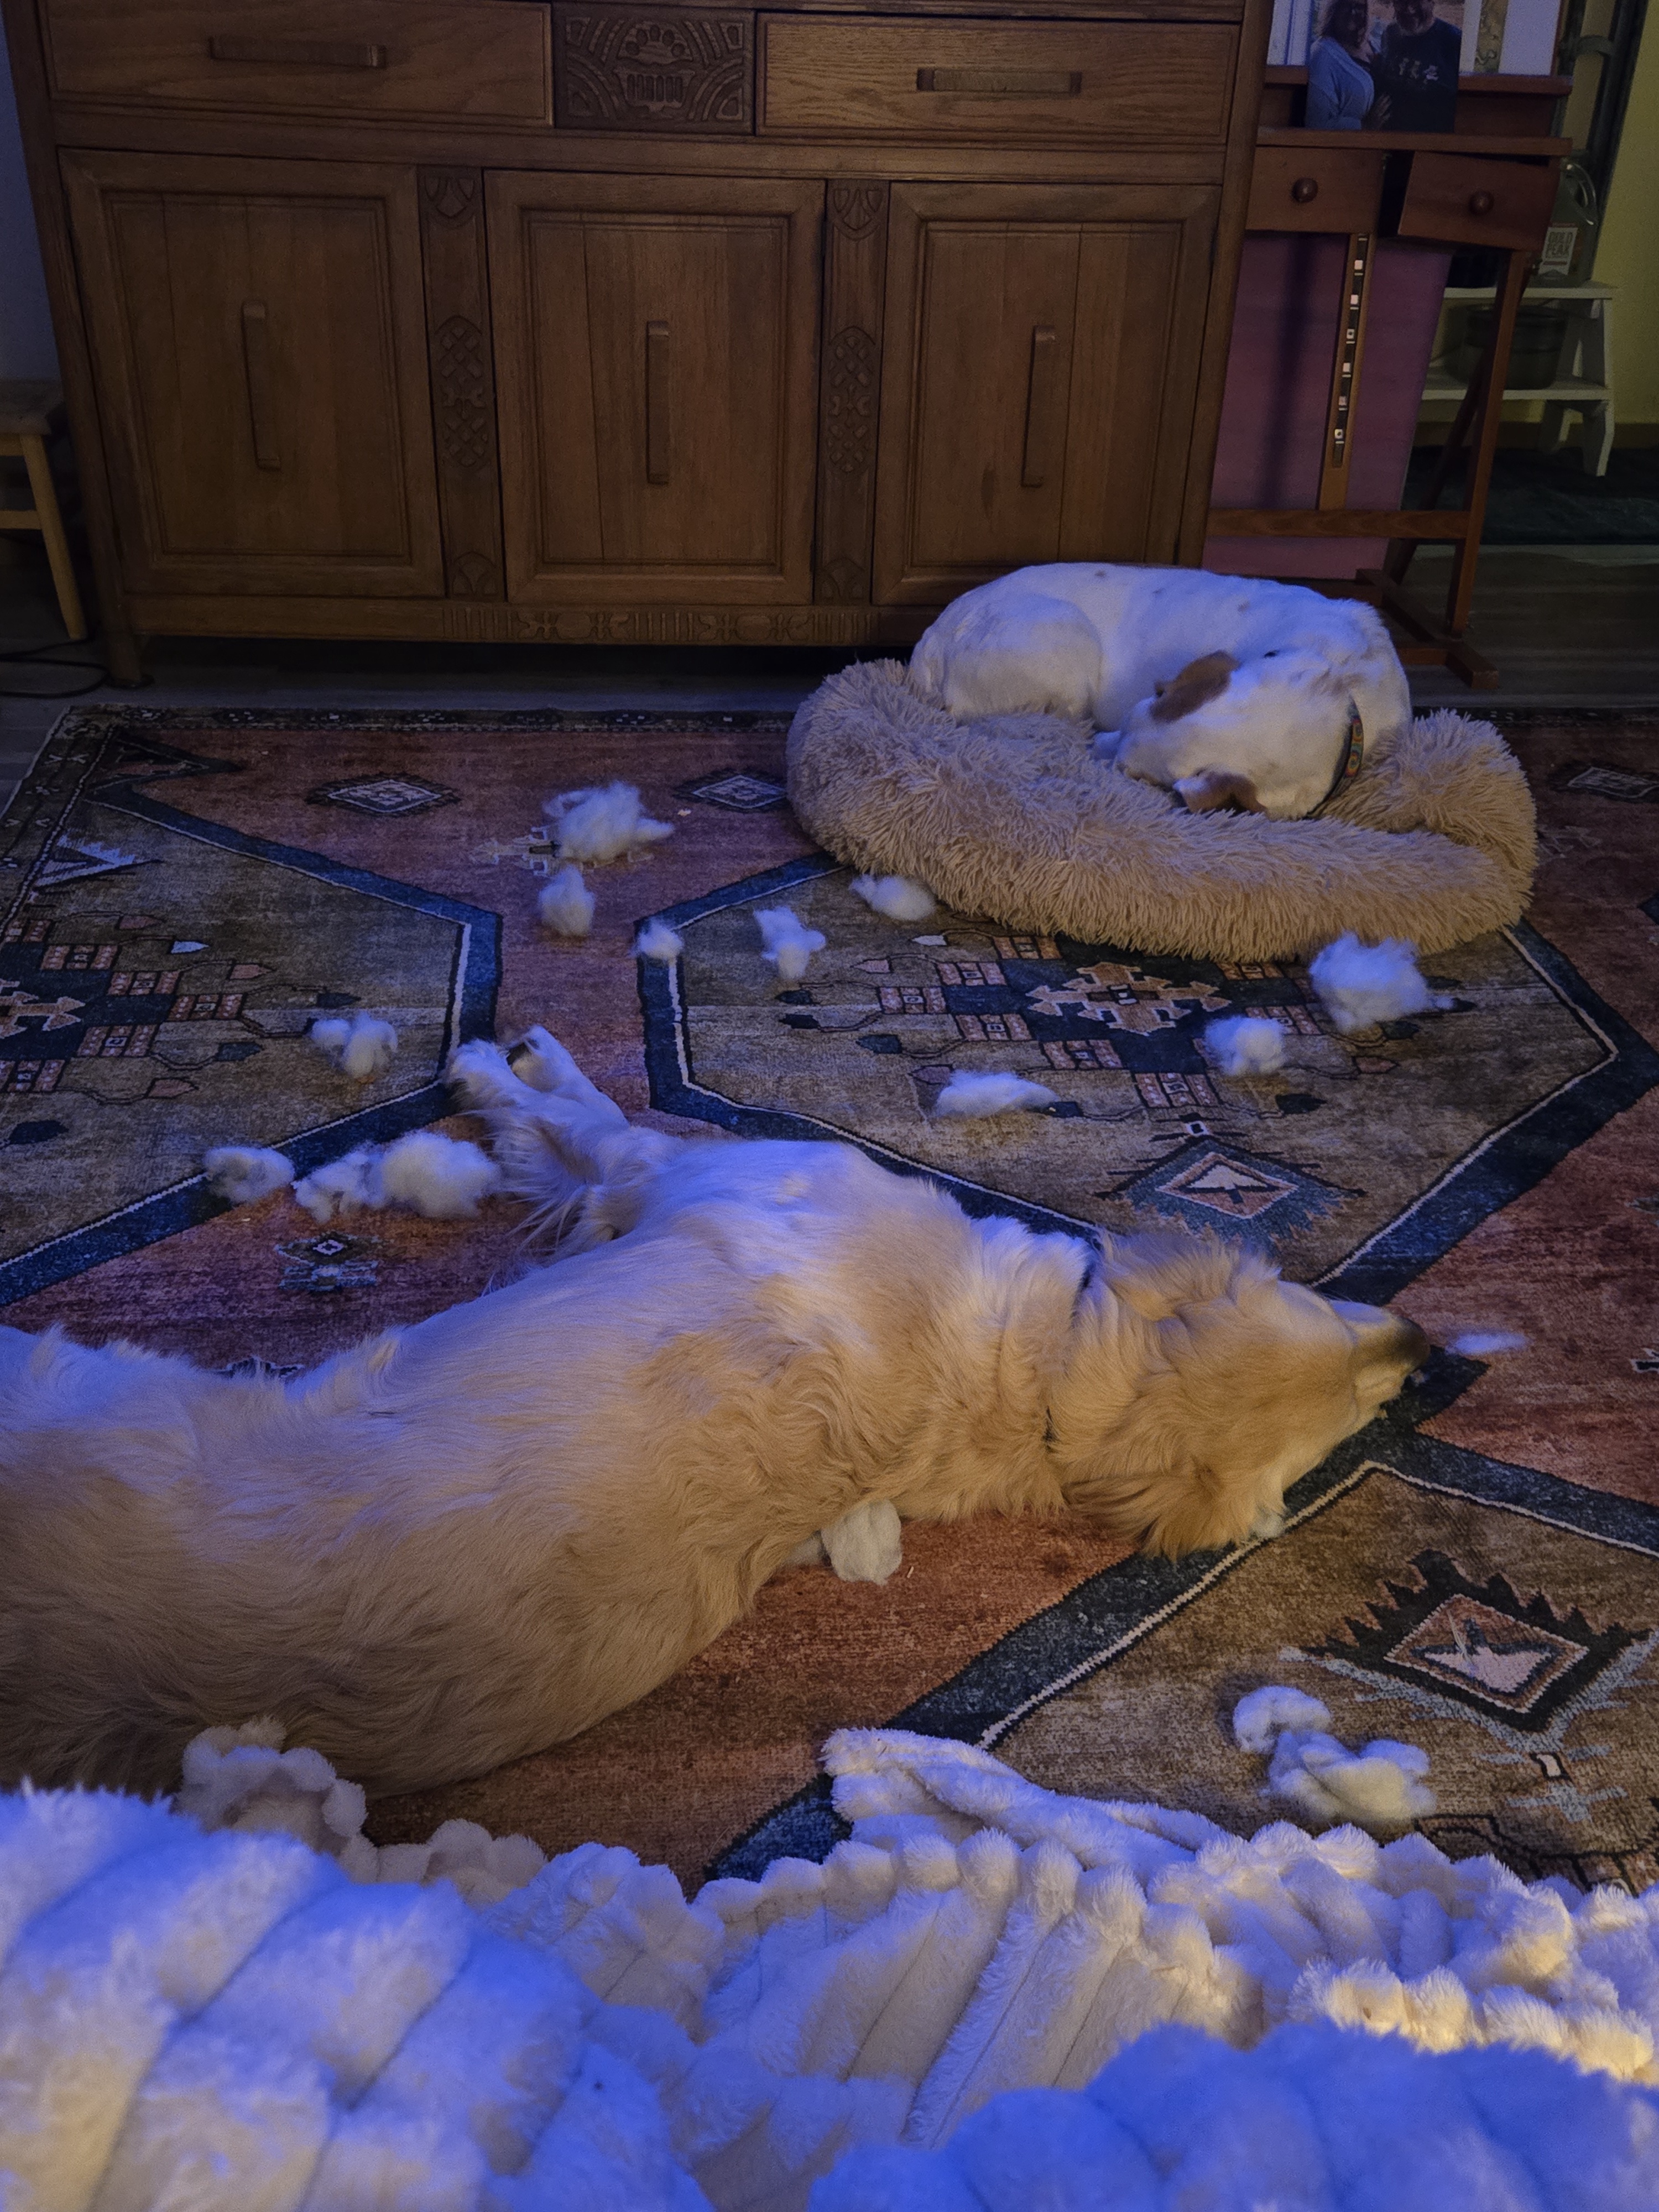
<point x="1237" y="1383"/>
<point x="1213" y="788"/>
<point x="1198" y="682"/>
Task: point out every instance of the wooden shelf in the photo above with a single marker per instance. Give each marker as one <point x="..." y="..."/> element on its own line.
<point x="1543" y="87"/>
<point x="1415" y="142"/>
<point x="1543" y="293"/>
<point x="1441" y="387"/>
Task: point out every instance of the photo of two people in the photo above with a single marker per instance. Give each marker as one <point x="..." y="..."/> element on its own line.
<point x="1384" y="65"/>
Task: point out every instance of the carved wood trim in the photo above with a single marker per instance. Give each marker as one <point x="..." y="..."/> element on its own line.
<point x="679" y="625"/>
<point x="629" y="69"/>
<point x="854" y="282"/>
<point x="462" y="366"/>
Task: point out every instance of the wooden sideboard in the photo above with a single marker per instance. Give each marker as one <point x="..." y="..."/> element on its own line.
<point x="494" y="319"/>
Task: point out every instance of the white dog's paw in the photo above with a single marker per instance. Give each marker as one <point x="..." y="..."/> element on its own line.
<point x="1265" y="1526"/>
<point x="539" y="1060"/>
<point x="478" y="1070"/>
<point x="1105" y="746"/>
<point x="865" y="1544"/>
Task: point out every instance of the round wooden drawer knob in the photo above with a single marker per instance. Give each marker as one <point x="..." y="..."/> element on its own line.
<point x="1480" y="203"/>
<point x="1304" y="190"/>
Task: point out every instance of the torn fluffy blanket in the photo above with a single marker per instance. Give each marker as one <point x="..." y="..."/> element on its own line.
<point x="228" y="2012"/>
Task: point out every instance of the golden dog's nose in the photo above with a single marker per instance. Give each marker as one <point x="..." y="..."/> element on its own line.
<point x="1414" y="1346"/>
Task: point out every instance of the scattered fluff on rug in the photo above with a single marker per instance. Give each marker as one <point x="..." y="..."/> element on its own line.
<point x="1009" y="818"/>
<point x="209" y="2010"/>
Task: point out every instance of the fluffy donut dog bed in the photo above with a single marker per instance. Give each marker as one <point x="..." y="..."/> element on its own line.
<point x="1009" y="818"/>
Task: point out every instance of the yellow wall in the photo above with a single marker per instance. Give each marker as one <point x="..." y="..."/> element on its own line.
<point x="1628" y="255"/>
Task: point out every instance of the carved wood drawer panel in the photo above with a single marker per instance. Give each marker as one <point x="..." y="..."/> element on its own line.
<point x="1459" y="202"/>
<point x="476" y="58"/>
<point x="1320" y="191"/>
<point x="1134" y="84"/>
<point x="622" y="68"/>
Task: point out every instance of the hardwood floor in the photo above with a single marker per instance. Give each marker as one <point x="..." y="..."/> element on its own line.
<point x="1566" y="628"/>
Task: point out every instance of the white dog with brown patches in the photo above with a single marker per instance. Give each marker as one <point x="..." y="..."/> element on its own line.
<point x="466" y="1539"/>
<point x="1228" y="690"/>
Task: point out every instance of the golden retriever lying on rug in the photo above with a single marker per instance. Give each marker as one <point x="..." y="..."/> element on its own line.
<point x="461" y="1541"/>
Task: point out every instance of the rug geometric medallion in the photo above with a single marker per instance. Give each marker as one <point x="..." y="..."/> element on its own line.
<point x="181" y="892"/>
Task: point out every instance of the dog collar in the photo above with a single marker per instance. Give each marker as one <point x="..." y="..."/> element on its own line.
<point x="1352" y="759"/>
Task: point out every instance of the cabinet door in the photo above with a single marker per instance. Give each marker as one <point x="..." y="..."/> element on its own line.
<point x="258" y="339"/>
<point x="656" y="344"/>
<point x="1038" y="378"/>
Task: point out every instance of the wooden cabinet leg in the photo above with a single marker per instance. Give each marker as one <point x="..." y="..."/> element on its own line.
<point x="123" y="657"/>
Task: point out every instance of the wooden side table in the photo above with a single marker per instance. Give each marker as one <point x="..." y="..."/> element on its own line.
<point x="1584" y="385"/>
<point x="1491" y="185"/>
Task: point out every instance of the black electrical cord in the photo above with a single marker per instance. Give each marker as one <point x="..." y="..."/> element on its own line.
<point x="46" y="656"/>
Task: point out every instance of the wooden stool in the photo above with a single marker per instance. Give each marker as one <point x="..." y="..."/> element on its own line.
<point x="28" y="415"/>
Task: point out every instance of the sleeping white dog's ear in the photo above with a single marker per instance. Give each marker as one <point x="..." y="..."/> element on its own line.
<point x="1198" y="683"/>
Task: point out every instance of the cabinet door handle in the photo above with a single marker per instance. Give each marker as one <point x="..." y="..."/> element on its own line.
<point x="297" y="54"/>
<point x="1040" y="407"/>
<point x="256" y="357"/>
<point x="1003" y="83"/>
<point x="658" y="397"/>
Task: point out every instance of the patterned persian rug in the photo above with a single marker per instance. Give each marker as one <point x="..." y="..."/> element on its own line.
<point x="181" y="892"/>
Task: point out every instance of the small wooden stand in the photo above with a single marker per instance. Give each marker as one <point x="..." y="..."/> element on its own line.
<point x="1484" y="188"/>
<point x="29" y="413"/>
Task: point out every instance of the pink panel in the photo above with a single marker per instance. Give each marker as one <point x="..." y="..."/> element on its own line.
<point x="1279" y="370"/>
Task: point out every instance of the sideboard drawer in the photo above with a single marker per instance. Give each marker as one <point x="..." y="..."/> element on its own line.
<point x="476" y="58"/>
<point x="1316" y="191"/>
<point x="1137" y="84"/>
<point x="1459" y="202"/>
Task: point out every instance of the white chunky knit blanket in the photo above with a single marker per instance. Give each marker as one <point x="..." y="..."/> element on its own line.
<point x="241" y="2002"/>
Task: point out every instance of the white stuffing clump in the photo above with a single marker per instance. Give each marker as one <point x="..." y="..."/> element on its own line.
<point x="342" y="1186"/>
<point x="787" y="942"/>
<point x="657" y="941"/>
<point x="1361" y="984"/>
<point x="1246" y="1044"/>
<point x="1487" y="1343"/>
<point x="242" y="1173"/>
<point x="360" y="1047"/>
<point x="440" y="1178"/>
<point x="1258" y="1718"/>
<point x="977" y="1096"/>
<point x="1380" y="1787"/>
<point x="604" y="823"/>
<point x="564" y="904"/>
<point x="895" y="896"/>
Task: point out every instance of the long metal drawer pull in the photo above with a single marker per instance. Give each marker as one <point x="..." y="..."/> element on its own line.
<point x="256" y="357"/>
<point x="1040" y="399"/>
<point x="1003" y="83"/>
<point x="297" y="53"/>
<point x="658" y="434"/>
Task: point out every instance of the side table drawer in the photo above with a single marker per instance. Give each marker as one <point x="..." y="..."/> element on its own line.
<point x="1458" y="200"/>
<point x="908" y="77"/>
<point x="430" y="57"/>
<point x="1316" y="191"/>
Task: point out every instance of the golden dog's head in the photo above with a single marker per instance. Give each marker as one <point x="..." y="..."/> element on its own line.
<point x="1201" y="1386"/>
